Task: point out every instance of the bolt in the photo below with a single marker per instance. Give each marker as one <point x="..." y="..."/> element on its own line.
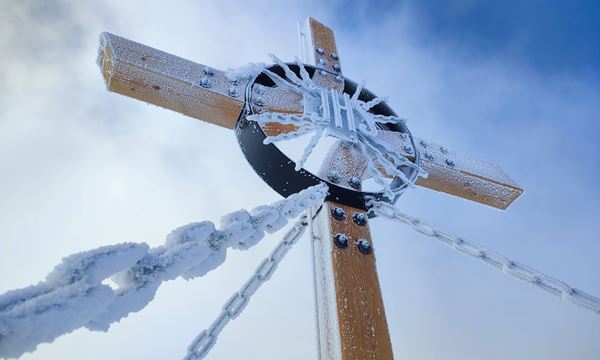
<point x="339" y="78"/>
<point x="428" y="156"/>
<point x="335" y="67"/>
<point x="341" y="240"/>
<point x="205" y="82"/>
<point x="322" y="61"/>
<point x="260" y="89"/>
<point x="407" y="149"/>
<point x="338" y="213"/>
<point x="333" y="176"/>
<point x="364" y="246"/>
<point x="208" y="71"/>
<point x="333" y="56"/>
<point x="354" y="182"/>
<point x="320" y="51"/>
<point x="259" y="102"/>
<point x="423" y="144"/>
<point x="360" y="219"/>
<point x="233" y="92"/>
<point x="450" y="163"/>
<point x="323" y="73"/>
<point x="443" y="150"/>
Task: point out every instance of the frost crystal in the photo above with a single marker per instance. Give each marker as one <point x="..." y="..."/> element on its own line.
<point x="342" y="116"/>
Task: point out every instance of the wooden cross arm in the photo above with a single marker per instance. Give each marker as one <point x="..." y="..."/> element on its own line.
<point x="458" y="174"/>
<point x="166" y="80"/>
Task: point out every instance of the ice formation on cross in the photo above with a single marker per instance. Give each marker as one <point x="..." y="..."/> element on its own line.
<point x="347" y="118"/>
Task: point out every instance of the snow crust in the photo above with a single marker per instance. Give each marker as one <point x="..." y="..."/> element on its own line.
<point x="73" y="295"/>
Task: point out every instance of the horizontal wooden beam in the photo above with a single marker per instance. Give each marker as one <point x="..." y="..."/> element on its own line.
<point x="171" y="82"/>
<point x="458" y="174"/>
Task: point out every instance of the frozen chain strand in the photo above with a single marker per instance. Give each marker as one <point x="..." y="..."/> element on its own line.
<point x="203" y="343"/>
<point x="75" y="294"/>
<point x="499" y="262"/>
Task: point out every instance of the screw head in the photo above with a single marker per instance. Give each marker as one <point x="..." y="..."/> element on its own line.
<point x="407" y="149"/>
<point x="233" y="92"/>
<point x="333" y="176"/>
<point x="333" y="56"/>
<point x="341" y="241"/>
<point x="364" y="246"/>
<point x="259" y="102"/>
<point x="320" y="51"/>
<point x="260" y="89"/>
<point x="338" y="213"/>
<point x="450" y="163"/>
<point x="428" y="156"/>
<point x="335" y="67"/>
<point x="323" y="72"/>
<point x="443" y="150"/>
<point x="339" y="78"/>
<point x="322" y="61"/>
<point x="360" y="219"/>
<point x="354" y="182"/>
<point x="423" y="144"/>
<point x="208" y="71"/>
<point x="205" y="82"/>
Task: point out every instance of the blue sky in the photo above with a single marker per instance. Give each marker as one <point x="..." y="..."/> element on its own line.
<point x="515" y="83"/>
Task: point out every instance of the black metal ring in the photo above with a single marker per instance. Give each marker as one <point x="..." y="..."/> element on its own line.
<point x="278" y="171"/>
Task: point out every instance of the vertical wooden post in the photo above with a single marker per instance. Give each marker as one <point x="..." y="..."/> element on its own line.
<point x="350" y="315"/>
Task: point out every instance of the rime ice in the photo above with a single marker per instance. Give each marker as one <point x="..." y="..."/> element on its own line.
<point x="73" y="296"/>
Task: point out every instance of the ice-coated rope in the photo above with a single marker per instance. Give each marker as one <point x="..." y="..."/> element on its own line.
<point x="74" y="295"/>
<point x="499" y="262"/>
<point x="204" y="342"/>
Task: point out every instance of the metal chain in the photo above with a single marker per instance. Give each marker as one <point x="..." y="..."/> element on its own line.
<point x="499" y="262"/>
<point x="204" y="342"/>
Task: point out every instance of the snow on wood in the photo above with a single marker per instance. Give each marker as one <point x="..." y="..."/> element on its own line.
<point x="166" y="80"/>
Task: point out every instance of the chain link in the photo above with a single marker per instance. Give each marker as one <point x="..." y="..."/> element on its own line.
<point x="203" y="343"/>
<point x="499" y="262"/>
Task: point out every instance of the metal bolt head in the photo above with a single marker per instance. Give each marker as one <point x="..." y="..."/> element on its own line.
<point x="261" y="90"/>
<point x="339" y="78"/>
<point x="338" y="213"/>
<point x="450" y="163"/>
<point x="443" y="150"/>
<point x="364" y="246"/>
<point x="259" y="102"/>
<point x="335" y="67"/>
<point x="205" y="82"/>
<point x="322" y="61"/>
<point x="341" y="241"/>
<point x="320" y="51"/>
<point x="333" y="56"/>
<point x="354" y="182"/>
<point x="333" y="176"/>
<point x="428" y="156"/>
<point x="407" y="149"/>
<point x="360" y="219"/>
<point x="423" y="144"/>
<point x="323" y="73"/>
<point x="208" y="71"/>
<point x="233" y="92"/>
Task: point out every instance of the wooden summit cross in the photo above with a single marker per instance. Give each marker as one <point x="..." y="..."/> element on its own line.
<point x="351" y="316"/>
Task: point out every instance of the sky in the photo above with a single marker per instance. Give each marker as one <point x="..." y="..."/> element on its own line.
<point x="512" y="82"/>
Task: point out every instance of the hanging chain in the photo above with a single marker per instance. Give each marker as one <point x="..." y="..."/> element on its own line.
<point x="204" y="342"/>
<point x="499" y="262"/>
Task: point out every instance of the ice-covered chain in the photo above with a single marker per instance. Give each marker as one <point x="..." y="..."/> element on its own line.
<point x="204" y="342"/>
<point x="499" y="262"/>
<point x="75" y="294"/>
